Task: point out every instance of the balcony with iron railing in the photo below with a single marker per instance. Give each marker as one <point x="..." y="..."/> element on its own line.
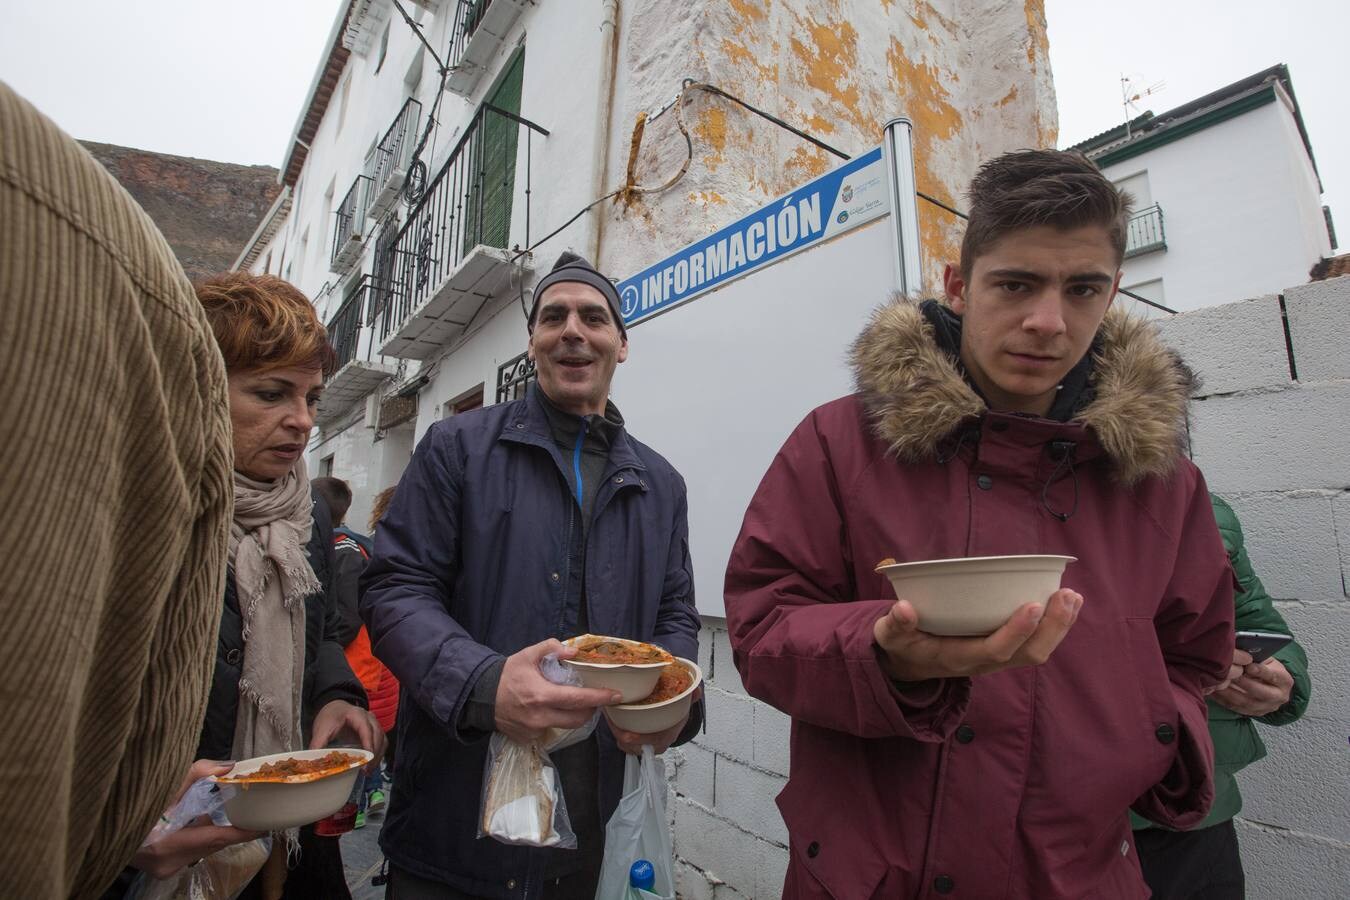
<point x="344" y="330"/>
<point x="387" y="165"/>
<point x="1145" y="232"/>
<point x="481" y="27"/>
<point x="358" y="369"/>
<point x="350" y="229"/>
<point x="384" y="278"/>
<point x="514" y="376"/>
<point x="449" y="257"/>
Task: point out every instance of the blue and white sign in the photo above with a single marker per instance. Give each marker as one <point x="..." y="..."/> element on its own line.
<point x="845" y="198"/>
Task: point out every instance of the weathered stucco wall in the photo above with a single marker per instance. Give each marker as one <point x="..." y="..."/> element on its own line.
<point x="974" y="78"/>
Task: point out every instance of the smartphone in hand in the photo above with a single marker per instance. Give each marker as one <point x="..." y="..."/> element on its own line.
<point x="1261" y="644"/>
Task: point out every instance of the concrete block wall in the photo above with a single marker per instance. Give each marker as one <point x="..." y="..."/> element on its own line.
<point x="1270" y="429"/>
<point x="1274" y="445"/>
<point x="730" y="841"/>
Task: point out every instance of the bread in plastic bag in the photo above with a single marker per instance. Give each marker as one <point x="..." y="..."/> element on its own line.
<point x="522" y="800"/>
<point x="221" y="876"/>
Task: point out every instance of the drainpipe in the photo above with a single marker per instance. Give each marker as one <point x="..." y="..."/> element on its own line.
<point x="604" y="108"/>
<point x="898" y="152"/>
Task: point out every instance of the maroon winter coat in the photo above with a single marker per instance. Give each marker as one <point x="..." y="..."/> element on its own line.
<point x="1016" y="784"/>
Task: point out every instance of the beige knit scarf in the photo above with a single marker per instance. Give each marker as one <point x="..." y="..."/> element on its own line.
<point x="272" y="524"/>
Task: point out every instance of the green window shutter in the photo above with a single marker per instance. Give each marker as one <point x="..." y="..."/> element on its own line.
<point x="493" y="154"/>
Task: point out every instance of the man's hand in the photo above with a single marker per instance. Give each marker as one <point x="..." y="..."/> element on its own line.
<point x="631" y="742"/>
<point x="528" y="704"/>
<point x="1260" y="689"/>
<point x="1241" y="660"/>
<point x="1026" y="639"/>
<point x="337" y="715"/>
<point x="175" y="852"/>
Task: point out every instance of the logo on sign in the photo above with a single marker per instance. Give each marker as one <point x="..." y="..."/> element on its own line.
<point x="848" y="193"/>
<point x="842" y="217"/>
<point x="629" y="299"/>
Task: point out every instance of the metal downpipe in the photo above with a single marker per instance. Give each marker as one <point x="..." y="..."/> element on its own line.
<point x="609" y="50"/>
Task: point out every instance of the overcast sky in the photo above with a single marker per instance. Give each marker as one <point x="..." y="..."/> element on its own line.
<point x="216" y="79"/>
<point x="225" y="79"/>
<point x="1197" y="46"/>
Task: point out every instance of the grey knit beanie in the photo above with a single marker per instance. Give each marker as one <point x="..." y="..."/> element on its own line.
<point x="571" y="267"/>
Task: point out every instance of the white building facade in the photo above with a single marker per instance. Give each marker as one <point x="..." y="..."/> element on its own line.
<point x="1227" y="196"/>
<point x="423" y="286"/>
<point x="401" y="209"/>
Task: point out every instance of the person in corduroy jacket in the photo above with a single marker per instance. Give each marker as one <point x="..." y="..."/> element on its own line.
<point x="115" y="486"/>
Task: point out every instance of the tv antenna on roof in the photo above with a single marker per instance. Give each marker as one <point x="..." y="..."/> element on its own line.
<point x="1131" y="94"/>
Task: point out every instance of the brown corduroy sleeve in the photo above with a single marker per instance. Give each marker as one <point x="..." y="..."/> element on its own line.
<point x="115" y="500"/>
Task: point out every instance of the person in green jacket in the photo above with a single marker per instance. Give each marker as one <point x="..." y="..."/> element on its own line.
<point x="1204" y="863"/>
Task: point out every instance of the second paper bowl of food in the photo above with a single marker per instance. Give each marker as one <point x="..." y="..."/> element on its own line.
<point x="655" y="715"/>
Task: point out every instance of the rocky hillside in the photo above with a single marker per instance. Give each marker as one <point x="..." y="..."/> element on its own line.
<point x="206" y="209"/>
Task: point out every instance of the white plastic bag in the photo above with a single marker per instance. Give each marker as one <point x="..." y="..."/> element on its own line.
<point x="220" y="876"/>
<point x="638" y="830"/>
<point x="522" y="799"/>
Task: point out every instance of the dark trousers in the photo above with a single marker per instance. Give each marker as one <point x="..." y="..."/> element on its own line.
<point x="405" y="886"/>
<point x="1192" y="865"/>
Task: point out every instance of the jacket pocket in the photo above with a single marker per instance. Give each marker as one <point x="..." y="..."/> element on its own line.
<point x="830" y="853"/>
<point x="1121" y="878"/>
<point x="1160" y="721"/>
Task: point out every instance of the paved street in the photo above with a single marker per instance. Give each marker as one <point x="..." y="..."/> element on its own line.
<point x="361" y="857"/>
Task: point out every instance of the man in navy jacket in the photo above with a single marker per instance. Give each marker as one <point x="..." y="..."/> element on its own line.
<point x="516" y="526"/>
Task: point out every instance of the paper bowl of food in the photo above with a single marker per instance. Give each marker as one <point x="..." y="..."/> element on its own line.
<point x="287" y="790"/>
<point x="975" y="595"/>
<point x="665" y="706"/>
<point x="629" y="667"/>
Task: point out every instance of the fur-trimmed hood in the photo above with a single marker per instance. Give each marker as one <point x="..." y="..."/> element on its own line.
<point x="915" y="395"/>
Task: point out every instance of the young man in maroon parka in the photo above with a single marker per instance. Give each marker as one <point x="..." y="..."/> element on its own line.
<point x="1021" y="417"/>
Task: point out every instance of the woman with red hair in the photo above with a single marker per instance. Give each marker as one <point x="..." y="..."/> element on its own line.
<point x="281" y="681"/>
